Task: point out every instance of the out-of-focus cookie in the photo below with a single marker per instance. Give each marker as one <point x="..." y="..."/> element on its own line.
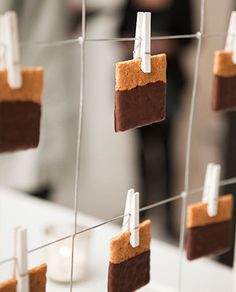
<point x="224" y="82"/>
<point x="20" y="111"/>
<point x="209" y="235"/>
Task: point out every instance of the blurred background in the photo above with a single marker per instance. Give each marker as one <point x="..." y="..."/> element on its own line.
<point x="151" y="159"/>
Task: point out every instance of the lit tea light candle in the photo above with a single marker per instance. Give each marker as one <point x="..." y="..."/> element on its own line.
<point x="65" y="251"/>
<point x="59" y="254"/>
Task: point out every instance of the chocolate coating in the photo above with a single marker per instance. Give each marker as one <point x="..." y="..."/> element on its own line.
<point x="19" y="125"/>
<point x="140" y="106"/>
<point x="224" y="93"/>
<point x="211" y="239"/>
<point x="129" y="275"/>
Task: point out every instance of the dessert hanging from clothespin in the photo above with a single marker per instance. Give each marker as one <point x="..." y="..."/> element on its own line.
<point x="129" y="267"/>
<point x="33" y="280"/>
<point x="24" y="280"/>
<point x="209" y="223"/>
<point x="141" y="82"/>
<point x="224" y="81"/>
<point x="21" y="92"/>
<point x="20" y="280"/>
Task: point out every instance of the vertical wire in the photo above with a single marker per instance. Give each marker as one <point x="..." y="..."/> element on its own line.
<point x="81" y="41"/>
<point x="188" y="149"/>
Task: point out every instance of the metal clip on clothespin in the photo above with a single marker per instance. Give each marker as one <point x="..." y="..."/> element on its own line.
<point x="12" y="54"/>
<point x="142" y="44"/>
<point x="230" y="44"/>
<point x="21" y="264"/>
<point x="132" y="224"/>
<point x="211" y="188"/>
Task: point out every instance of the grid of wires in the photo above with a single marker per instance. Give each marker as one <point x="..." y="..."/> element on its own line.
<point x="81" y="40"/>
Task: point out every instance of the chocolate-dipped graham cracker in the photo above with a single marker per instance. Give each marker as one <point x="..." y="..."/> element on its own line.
<point x="37" y="281"/>
<point x="209" y="235"/>
<point x="224" y="82"/>
<point x="129" y="268"/>
<point x="140" y="97"/>
<point x="20" y="111"/>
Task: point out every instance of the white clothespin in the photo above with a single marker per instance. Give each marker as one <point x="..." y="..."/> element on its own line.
<point x="134" y="220"/>
<point x="230" y="44"/>
<point x="142" y="45"/>
<point x="211" y="188"/>
<point x="138" y="36"/>
<point x="126" y="221"/>
<point x="212" y="208"/>
<point x="207" y="182"/>
<point x="12" y="50"/>
<point x="132" y="224"/>
<point x="2" y="43"/>
<point x="21" y="266"/>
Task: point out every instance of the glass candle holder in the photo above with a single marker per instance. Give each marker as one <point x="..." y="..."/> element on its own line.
<point x="59" y="254"/>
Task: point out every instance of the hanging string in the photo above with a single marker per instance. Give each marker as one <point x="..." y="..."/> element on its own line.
<point x="225" y="182"/>
<point x="76" y="41"/>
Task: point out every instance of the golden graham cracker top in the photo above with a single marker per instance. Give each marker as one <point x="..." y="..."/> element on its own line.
<point x="223" y="64"/>
<point x="129" y="74"/>
<point x="8" y="286"/>
<point x="197" y="213"/>
<point x="37" y="278"/>
<point x="31" y="90"/>
<point x="120" y="248"/>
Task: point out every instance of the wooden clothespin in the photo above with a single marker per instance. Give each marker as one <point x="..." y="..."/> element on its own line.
<point x="211" y="188"/>
<point x="230" y="44"/>
<point x="132" y="223"/>
<point x="10" y="39"/>
<point x="142" y="45"/>
<point x="21" y="263"/>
